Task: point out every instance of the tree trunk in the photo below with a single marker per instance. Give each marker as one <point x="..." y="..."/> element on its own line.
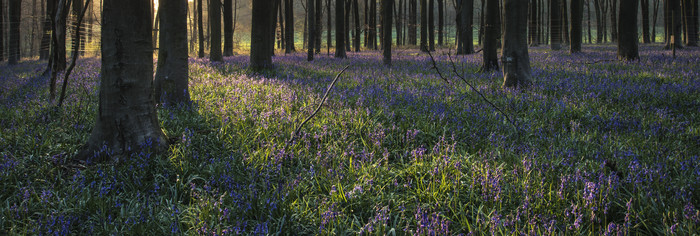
<point x="431" y="25"/>
<point x="156" y="22"/>
<point x="590" y="34"/>
<point x="516" y="62"/>
<point x="653" y="25"/>
<point x="492" y="24"/>
<point x="566" y="39"/>
<point x="613" y="20"/>
<point x="599" y="21"/>
<point x="77" y="7"/>
<point x="691" y="30"/>
<point x="2" y="31"/>
<point x="576" y="26"/>
<point x="673" y="23"/>
<point x="261" y="36"/>
<point x="441" y="21"/>
<point x="645" y="21"/>
<point x="373" y="24"/>
<point x="15" y="16"/>
<point x="171" y="82"/>
<point x="356" y="18"/>
<point x="555" y="22"/>
<point x="319" y="25"/>
<point x="126" y="121"/>
<point x="329" y="43"/>
<point x="628" y="44"/>
<point x="465" y="41"/>
<point x="311" y="11"/>
<point x="532" y="31"/>
<point x="386" y="30"/>
<point x="215" y="24"/>
<point x="424" y="25"/>
<point x="46" y="32"/>
<point x="228" y="28"/>
<point x="289" y="26"/>
<point x="346" y="27"/>
<point x="200" y="25"/>
<point x="413" y="22"/>
<point x="339" y="32"/>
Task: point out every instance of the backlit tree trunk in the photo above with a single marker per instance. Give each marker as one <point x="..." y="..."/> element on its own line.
<point x="412" y="22"/>
<point x="424" y="25"/>
<point x="200" y="25"/>
<point x="339" y="32"/>
<point x="627" y="45"/>
<point x="261" y="37"/>
<point x="228" y="28"/>
<point x="386" y="30"/>
<point x="431" y="25"/>
<point x="441" y="22"/>
<point x="126" y="121"/>
<point x="15" y="14"/>
<point x="576" y="25"/>
<point x="689" y="22"/>
<point x="46" y="31"/>
<point x="319" y="25"/>
<point x="516" y="61"/>
<point x="646" y="38"/>
<point x="77" y="7"/>
<point x="673" y="23"/>
<point x="356" y="19"/>
<point x="289" y="26"/>
<point x="171" y="82"/>
<point x="311" y="19"/>
<point x="215" y="23"/>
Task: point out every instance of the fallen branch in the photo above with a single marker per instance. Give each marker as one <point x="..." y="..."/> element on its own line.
<point x="323" y="100"/>
<point x="76" y="49"/>
<point x="454" y="70"/>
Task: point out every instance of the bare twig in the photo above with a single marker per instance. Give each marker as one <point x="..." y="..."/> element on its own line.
<point x="323" y="100"/>
<point x="454" y="70"/>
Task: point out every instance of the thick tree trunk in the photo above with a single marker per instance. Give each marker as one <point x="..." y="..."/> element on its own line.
<point x="465" y="41"/>
<point x="555" y="22"/>
<point x="576" y="25"/>
<point x="215" y="23"/>
<point x="228" y="28"/>
<point x="171" y="82"/>
<point x="492" y="25"/>
<point x="261" y="36"/>
<point x="441" y="22"/>
<point x="645" y="22"/>
<point x="431" y="25"/>
<point x="200" y="25"/>
<point x="516" y="61"/>
<point x="413" y="22"/>
<point x="311" y="19"/>
<point x="126" y="121"/>
<point x="424" y="25"/>
<point x="289" y="26"/>
<point x="339" y="32"/>
<point x="15" y="16"/>
<point x="628" y="44"/>
<point x="386" y="30"/>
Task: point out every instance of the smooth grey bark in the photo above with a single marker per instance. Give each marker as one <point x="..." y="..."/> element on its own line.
<point x="492" y="31"/>
<point x="516" y="61"/>
<point x="126" y="121"/>
<point x="628" y="43"/>
<point x="215" y="23"/>
<point x="171" y="80"/>
<point x="576" y="26"/>
<point x="386" y="30"/>
<point x="339" y="32"/>
<point x="261" y="37"/>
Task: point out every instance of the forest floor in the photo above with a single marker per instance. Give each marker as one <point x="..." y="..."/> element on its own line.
<point x="602" y="147"/>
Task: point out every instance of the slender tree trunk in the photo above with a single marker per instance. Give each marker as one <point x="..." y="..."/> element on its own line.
<point x="156" y="23"/>
<point x="613" y="20"/>
<point x="590" y="34"/>
<point x="171" y="80"/>
<point x="441" y="22"/>
<point x="373" y="24"/>
<point x="599" y="21"/>
<point x="228" y="28"/>
<point x="2" y="31"/>
<point x="424" y="25"/>
<point x="653" y="25"/>
<point x="261" y="35"/>
<point x="413" y="22"/>
<point x="339" y="32"/>
<point x="386" y="30"/>
<point x="556" y="24"/>
<point x="276" y="5"/>
<point x="673" y="25"/>
<point x="492" y="26"/>
<point x="645" y="21"/>
<point x="431" y="25"/>
<point x="77" y="7"/>
<point x="356" y="18"/>
<point x="690" y="19"/>
<point x="319" y="25"/>
<point x="532" y="31"/>
<point x="329" y="43"/>
<point x="480" y="36"/>
<point x="311" y="11"/>
<point x="15" y="13"/>
<point x="200" y="25"/>
<point x="127" y="120"/>
<point x="289" y="26"/>
<point x="628" y="43"/>
<point x="576" y="25"/>
<point x="46" y="33"/>
<point x="565" y="22"/>
<point x="346" y="28"/>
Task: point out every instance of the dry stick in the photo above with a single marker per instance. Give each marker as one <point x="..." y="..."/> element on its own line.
<point x="296" y="132"/>
<point x="76" y="49"/>
<point x="454" y="70"/>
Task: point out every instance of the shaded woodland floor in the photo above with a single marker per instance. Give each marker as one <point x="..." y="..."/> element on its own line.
<point x="604" y="147"/>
